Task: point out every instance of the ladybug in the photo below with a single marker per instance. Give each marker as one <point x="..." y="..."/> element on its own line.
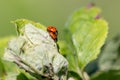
<point x="52" y="32"/>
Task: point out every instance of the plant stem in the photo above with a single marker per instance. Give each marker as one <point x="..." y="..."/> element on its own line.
<point x="80" y="73"/>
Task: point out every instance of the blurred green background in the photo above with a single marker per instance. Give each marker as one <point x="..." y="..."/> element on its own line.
<point x="53" y="12"/>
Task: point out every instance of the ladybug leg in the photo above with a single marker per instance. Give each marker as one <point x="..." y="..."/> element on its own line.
<point x="55" y="39"/>
<point x="56" y="33"/>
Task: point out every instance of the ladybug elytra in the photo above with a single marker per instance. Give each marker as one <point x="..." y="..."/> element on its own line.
<point x="53" y="32"/>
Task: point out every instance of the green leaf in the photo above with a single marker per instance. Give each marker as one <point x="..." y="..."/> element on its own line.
<point x="109" y="75"/>
<point x="88" y="32"/>
<point x="2" y="69"/>
<point x="68" y="50"/>
<point x="110" y="57"/>
<point x="20" y="23"/>
<point x="25" y="76"/>
<point x="73" y="76"/>
<point x="22" y="76"/>
<point x="3" y="44"/>
<point x="63" y="47"/>
<point x="10" y="76"/>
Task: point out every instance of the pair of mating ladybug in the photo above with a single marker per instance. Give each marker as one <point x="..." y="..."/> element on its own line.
<point x="52" y="32"/>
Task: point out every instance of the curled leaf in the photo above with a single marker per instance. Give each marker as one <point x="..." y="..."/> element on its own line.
<point x="36" y="52"/>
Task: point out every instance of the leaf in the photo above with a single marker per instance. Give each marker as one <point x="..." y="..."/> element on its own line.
<point x="2" y="69"/>
<point x="68" y="50"/>
<point x="73" y="76"/>
<point x="109" y="75"/>
<point x="17" y="76"/>
<point x="88" y="34"/>
<point x="3" y="44"/>
<point x="110" y="57"/>
<point x="22" y="76"/>
<point x="4" y="65"/>
<point x="20" y="23"/>
<point x="10" y="76"/>
<point x="36" y="52"/>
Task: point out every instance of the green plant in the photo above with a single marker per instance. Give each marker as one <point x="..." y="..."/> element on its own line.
<point x="38" y="54"/>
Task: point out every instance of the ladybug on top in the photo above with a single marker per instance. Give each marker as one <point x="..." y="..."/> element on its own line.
<point x="52" y="32"/>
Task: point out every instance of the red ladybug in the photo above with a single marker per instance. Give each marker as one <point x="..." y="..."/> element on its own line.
<point x="53" y="32"/>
